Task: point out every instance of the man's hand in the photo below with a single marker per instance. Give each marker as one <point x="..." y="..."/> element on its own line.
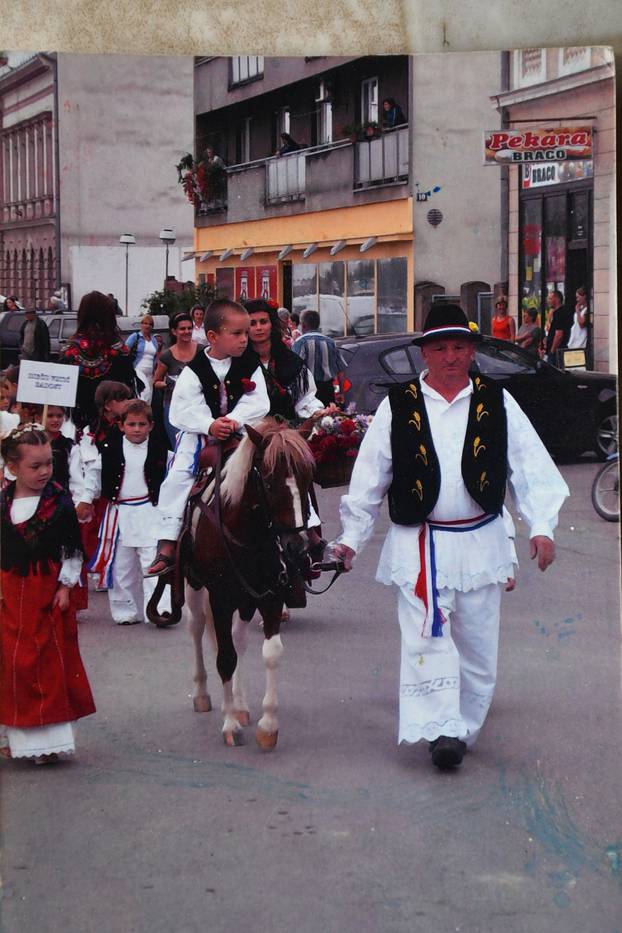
<point x="510" y="584"/>
<point x="85" y="512"/>
<point x="61" y="598"/>
<point x="542" y="548"/>
<point x="223" y="428"/>
<point x="344" y="553"/>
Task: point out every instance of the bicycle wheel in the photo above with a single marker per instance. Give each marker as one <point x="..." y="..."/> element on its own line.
<point x="606" y="492"/>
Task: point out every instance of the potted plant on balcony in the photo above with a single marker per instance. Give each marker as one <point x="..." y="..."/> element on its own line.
<point x="352" y="131"/>
<point x="371" y="129"/>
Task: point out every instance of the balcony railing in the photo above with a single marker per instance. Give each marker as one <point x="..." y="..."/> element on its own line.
<point x="286" y="178"/>
<point x="383" y="160"/>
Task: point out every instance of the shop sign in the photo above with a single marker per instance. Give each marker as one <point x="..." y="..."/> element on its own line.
<point x="555" y="173"/>
<point x="537" y="145"/>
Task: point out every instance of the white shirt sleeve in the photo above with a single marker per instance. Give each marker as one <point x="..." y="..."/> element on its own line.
<point x="309" y="403"/>
<point x="76" y="476"/>
<point x="92" y="479"/>
<point x="371" y="477"/>
<point x="189" y="411"/>
<point x="536" y="484"/>
<point x="70" y="570"/>
<point x="252" y="406"/>
<point x="8" y="422"/>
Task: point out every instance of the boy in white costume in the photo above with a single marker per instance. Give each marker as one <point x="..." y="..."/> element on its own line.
<point x="128" y="473"/>
<point x="219" y="391"/>
<point x="443" y="447"/>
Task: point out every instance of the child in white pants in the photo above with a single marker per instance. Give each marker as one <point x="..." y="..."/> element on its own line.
<point x="128" y="473"/>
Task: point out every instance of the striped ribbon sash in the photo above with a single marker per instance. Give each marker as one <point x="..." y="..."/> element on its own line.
<point x="425" y="588"/>
<point x="102" y="560"/>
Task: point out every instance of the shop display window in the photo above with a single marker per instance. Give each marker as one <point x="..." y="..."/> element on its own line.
<point x="361" y="297"/>
<point x="392" y="295"/>
<point x="332" y="298"/>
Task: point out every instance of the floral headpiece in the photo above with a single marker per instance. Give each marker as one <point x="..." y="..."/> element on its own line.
<point x="26" y="428"/>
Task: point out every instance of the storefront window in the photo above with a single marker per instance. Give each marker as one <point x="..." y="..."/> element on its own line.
<point x="361" y="297"/>
<point x="224" y="282"/>
<point x="332" y="302"/>
<point x="304" y="287"/>
<point x="531" y="272"/>
<point x="392" y="295"/>
<point x="555" y="241"/>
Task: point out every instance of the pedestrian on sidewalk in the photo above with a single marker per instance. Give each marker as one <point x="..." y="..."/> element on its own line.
<point x="443" y="447"/>
<point x="43" y="685"/>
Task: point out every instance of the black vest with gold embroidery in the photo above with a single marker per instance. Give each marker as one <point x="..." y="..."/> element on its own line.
<point x="242" y="368"/>
<point x="416" y="472"/>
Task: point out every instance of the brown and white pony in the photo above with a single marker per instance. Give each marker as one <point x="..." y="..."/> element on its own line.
<point x="248" y="550"/>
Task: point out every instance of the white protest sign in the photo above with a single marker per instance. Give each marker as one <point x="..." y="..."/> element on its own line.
<point x="47" y="383"/>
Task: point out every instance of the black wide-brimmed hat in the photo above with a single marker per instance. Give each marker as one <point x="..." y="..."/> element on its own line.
<point x="446" y="320"/>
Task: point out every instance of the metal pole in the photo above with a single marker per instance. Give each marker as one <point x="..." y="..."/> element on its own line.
<point x="166" y="273"/>
<point x="127" y="259"/>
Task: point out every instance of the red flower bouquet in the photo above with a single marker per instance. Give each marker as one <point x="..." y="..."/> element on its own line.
<point x="335" y="442"/>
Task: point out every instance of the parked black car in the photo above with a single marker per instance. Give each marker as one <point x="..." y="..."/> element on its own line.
<point x="572" y="411"/>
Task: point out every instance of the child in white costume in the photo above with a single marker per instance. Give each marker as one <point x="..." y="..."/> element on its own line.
<point x="128" y="473"/>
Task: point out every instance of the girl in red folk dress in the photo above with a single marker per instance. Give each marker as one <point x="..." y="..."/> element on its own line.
<point x="43" y="685"/>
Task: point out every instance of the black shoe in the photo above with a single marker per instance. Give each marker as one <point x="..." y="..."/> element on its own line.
<point x="447" y="751"/>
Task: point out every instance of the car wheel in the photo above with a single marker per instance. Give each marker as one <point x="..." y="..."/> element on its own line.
<point x="606" y="436"/>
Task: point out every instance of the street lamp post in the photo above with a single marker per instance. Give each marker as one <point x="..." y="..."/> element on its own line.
<point x="127" y="239"/>
<point x="168" y="237"/>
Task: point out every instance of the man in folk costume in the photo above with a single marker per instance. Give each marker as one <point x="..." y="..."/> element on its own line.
<point x="443" y="447"/>
<point x="218" y="392"/>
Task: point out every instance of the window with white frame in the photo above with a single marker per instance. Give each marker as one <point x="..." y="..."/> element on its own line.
<point x="574" y="58"/>
<point x="529" y="66"/>
<point x="369" y="100"/>
<point x="324" y="114"/>
<point x="283" y="121"/>
<point x="246" y="68"/>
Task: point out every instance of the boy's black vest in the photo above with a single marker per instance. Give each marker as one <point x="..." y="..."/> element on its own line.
<point x="242" y="368"/>
<point x="113" y="464"/>
<point x="416" y="472"/>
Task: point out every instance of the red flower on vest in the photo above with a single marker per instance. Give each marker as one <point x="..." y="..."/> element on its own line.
<point x="248" y="385"/>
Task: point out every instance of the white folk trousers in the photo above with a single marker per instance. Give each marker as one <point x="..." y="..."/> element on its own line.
<point x="130" y="591"/>
<point x="446" y="684"/>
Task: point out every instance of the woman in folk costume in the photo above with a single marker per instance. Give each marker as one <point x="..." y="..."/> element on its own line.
<point x="98" y="350"/>
<point x="443" y="447"/>
<point x="43" y="686"/>
<point x="291" y="386"/>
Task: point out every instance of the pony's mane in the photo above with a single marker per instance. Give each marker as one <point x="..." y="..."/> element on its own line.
<point x="285" y="446"/>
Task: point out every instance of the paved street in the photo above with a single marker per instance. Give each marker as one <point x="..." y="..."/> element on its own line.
<point x="156" y="826"/>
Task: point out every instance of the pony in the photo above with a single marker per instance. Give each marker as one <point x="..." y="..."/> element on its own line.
<point x="246" y="548"/>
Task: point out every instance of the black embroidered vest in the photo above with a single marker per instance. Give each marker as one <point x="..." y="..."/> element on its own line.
<point x="242" y="368"/>
<point x="416" y="472"/>
<point x="113" y="465"/>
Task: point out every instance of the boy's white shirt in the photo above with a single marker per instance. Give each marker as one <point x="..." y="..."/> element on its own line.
<point x="190" y="412"/>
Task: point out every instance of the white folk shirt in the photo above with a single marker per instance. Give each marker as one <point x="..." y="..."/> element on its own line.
<point x="308" y="403"/>
<point x="471" y="559"/>
<point x="138" y="524"/>
<point x="190" y="412"/>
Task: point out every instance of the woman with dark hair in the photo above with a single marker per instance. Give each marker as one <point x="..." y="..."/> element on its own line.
<point x="392" y="113"/>
<point x="291" y="387"/>
<point x="172" y="362"/>
<point x="288" y="144"/>
<point x="98" y="349"/>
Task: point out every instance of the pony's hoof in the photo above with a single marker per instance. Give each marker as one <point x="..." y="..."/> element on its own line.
<point x="266" y="740"/>
<point x="233" y="739"/>
<point x="202" y="704"/>
<point x="243" y="716"/>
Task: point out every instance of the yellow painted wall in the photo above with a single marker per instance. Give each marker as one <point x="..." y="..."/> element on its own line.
<point x="380" y="219"/>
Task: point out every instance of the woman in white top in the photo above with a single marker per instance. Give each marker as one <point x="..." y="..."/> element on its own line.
<point x="198" y="330"/>
<point x="144" y="349"/>
<point x="578" y="331"/>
